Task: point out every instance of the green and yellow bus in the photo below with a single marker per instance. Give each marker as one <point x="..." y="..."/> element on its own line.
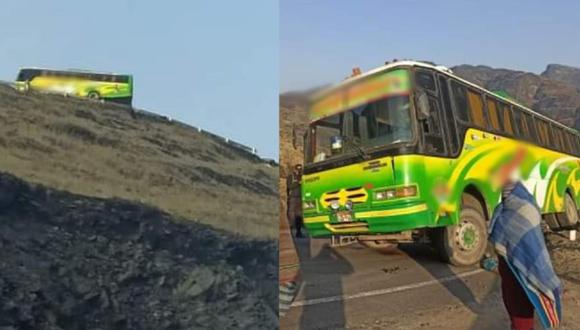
<point x="85" y="84"/>
<point x="407" y="151"/>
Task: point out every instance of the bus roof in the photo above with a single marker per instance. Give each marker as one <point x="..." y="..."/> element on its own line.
<point x="441" y="69"/>
<point x="74" y="71"/>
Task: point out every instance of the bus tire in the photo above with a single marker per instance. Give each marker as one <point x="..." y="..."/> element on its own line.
<point x="465" y="243"/>
<point x="569" y="218"/>
<point x="93" y="96"/>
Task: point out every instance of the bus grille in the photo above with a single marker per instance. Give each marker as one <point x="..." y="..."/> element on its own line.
<point x="355" y="194"/>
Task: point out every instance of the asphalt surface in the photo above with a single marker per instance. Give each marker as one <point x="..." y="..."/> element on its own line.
<point x="358" y="287"/>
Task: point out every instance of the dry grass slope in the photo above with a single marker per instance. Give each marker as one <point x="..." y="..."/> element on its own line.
<point x="105" y="150"/>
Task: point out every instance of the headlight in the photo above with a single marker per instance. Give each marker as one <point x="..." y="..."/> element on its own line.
<point x="307" y="205"/>
<point x="405" y="191"/>
<point x="348" y="205"/>
<point x="384" y="194"/>
<point x="335" y="205"/>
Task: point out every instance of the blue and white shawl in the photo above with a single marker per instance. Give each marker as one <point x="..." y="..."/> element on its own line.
<point x="516" y="234"/>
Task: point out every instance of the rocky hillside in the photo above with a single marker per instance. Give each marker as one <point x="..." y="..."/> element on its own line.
<point x="116" y="219"/>
<point x="104" y="150"/>
<point x="553" y="93"/>
<point x="74" y="262"/>
<point x="563" y="73"/>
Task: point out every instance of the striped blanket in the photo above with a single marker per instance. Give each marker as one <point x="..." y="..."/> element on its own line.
<point x="516" y="235"/>
<point x="286" y="296"/>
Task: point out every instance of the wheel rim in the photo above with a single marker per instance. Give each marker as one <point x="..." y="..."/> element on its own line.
<point x="466" y="236"/>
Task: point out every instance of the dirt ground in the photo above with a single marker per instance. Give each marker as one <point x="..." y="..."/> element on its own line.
<point x="354" y="286"/>
<point x="491" y="313"/>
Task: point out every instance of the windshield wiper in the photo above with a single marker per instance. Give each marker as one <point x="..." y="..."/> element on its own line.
<point x="357" y="147"/>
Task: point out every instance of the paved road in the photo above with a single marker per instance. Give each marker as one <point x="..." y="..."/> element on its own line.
<point x="397" y="288"/>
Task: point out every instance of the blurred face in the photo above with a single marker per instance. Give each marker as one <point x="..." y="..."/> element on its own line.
<point x="509" y="171"/>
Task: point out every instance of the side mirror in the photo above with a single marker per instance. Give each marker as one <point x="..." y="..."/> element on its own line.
<point x="423" y="107"/>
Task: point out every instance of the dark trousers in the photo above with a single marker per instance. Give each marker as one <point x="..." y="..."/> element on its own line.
<point x="298" y="223"/>
<point x="517" y="304"/>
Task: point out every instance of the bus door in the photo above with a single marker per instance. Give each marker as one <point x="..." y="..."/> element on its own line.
<point x="431" y="124"/>
<point x="450" y="128"/>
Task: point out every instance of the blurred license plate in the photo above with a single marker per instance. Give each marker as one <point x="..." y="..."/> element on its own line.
<point x="344" y="216"/>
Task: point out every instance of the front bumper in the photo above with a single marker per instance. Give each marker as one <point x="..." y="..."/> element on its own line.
<point x="373" y="222"/>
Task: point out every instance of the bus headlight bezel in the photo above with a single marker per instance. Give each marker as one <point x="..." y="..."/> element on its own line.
<point x="348" y="205"/>
<point x="397" y="192"/>
<point x="334" y="205"/>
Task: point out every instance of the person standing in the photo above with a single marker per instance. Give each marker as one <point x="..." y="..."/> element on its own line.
<point x="294" y="205"/>
<point x="529" y="284"/>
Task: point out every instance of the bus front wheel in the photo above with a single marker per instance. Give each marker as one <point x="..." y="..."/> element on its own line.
<point x="93" y="96"/>
<point x="464" y="243"/>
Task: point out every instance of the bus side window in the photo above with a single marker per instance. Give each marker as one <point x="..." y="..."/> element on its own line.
<point x="553" y="136"/>
<point x="548" y="136"/>
<point x="518" y="124"/>
<point x="558" y="138"/>
<point x="561" y="139"/>
<point x="449" y="120"/>
<point x="568" y="142"/>
<point x="476" y="108"/>
<point x="459" y="93"/>
<point x="531" y="127"/>
<point x="505" y="119"/>
<point x="432" y="129"/>
<point x="525" y="129"/>
<point x="542" y="132"/>
<point x="492" y="113"/>
<point x="425" y="80"/>
<point x="571" y="143"/>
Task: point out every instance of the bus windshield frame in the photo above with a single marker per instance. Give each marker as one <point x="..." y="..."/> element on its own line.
<point x="385" y="120"/>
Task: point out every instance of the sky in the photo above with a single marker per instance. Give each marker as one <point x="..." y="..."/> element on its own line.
<point x="321" y="41"/>
<point x="212" y="64"/>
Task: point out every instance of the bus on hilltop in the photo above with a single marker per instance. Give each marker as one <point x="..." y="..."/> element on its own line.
<point x="111" y="87"/>
<point x="405" y="152"/>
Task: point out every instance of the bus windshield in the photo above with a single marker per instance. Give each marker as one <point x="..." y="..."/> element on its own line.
<point x="379" y="123"/>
